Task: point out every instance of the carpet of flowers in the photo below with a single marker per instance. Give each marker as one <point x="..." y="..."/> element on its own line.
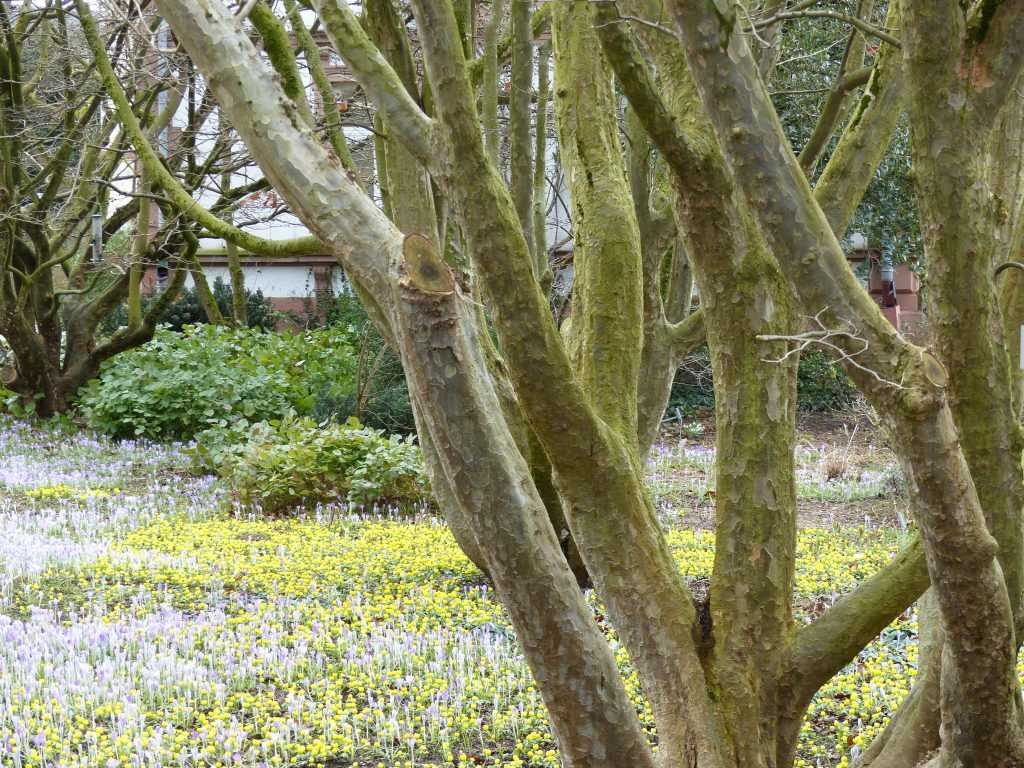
<point x="144" y="624"/>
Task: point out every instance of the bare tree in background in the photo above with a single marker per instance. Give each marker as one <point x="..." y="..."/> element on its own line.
<point x="108" y="140"/>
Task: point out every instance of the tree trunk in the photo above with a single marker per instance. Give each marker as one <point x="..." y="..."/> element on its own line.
<point x="725" y="694"/>
<point x="239" y="304"/>
<point x="906" y="385"/>
<point x="605" y="339"/>
<point x="596" y="724"/>
<point x="743" y="297"/>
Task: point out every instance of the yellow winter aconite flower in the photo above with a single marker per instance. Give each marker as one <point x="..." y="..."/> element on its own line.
<point x="293" y="642"/>
<point x="151" y="630"/>
<point x="65" y="491"/>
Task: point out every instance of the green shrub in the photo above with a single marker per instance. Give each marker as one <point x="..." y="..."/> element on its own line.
<point x="260" y="313"/>
<point x="380" y="398"/>
<point x="215" y="447"/>
<point x="180" y="384"/>
<point x="295" y="462"/>
<point x="18" y="405"/>
<point x="314" y="362"/>
<point x="8" y="399"/>
<point x="821" y="384"/>
<point x="186" y="310"/>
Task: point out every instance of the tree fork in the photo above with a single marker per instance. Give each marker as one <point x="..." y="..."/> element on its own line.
<point x="905" y="383"/>
<point x="561" y="640"/>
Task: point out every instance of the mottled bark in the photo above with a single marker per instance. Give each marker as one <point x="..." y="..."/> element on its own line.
<point x="967" y="208"/>
<point x="907" y="385"/>
<point x="1006" y="176"/>
<point x="684" y="149"/>
<point x="478" y="464"/>
<point x="768" y="52"/>
<point x="743" y="295"/>
<point x="605" y="338"/>
<point x="959" y="223"/>
<point x="665" y="300"/>
<point x="596" y="726"/>
<point x="405" y="187"/>
<point x="403" y="167"/>
<point x="1011" y="304"/>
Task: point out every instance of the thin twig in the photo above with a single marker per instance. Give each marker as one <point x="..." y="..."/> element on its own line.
<point x="246" y="9"/>
<point x="627" y="17"/>
<point x="822" y="337"/>
<point x="859" y="23"/>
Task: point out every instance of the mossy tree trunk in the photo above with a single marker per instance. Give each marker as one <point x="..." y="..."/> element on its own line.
<point x="968" y="192"/>
<point x="910" y="387"/>
<point x="743" y="296"/>
<point x="733" y="696"/>
<point x="960" y="224"/>
<point x="604" y="333"/>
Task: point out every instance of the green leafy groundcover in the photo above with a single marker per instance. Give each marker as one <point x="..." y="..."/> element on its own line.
<point x="178" y="385"/>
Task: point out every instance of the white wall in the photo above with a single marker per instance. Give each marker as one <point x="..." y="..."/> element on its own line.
<point x="283" y="281"/>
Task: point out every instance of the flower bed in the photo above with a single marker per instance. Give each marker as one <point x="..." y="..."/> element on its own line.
<point x="143" y="625"/>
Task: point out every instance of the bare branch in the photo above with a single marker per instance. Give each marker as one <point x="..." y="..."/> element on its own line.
<point x="859" y="23"/>
<point x="385" y="87"/>
<point x="822" y="337"/>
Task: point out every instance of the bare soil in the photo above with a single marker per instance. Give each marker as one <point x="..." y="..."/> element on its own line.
<point x="837" y="446"/>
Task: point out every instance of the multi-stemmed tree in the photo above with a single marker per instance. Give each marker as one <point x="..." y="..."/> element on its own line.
<point x="728" y="678"/>
<point x="68" y="161"/>
<point x="952" y="410"/>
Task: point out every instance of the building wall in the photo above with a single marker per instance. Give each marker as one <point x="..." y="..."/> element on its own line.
<point x="277" y="282"/>
<point x="299" y="286"/>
